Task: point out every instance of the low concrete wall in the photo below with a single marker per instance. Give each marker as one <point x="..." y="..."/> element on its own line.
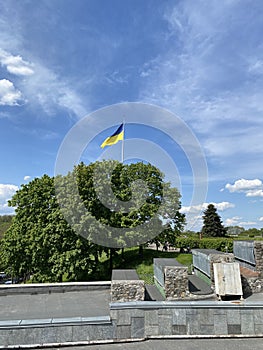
<point x="132" y="321"/>
<point x="47" y="288"/>
<point x="36" y="333"/>
<point x="187" y="319"/>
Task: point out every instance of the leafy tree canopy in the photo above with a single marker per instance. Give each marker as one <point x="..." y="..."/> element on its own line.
<point x="5" y="223"/>
<point x="95" y="199"/>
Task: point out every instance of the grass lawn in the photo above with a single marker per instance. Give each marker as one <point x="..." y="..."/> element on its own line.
<point x="144" y="264"/>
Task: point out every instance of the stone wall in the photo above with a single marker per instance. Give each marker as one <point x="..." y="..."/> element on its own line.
<point x="129" y="290"/>
<point x="251" y="281"/>
<point x="258" y="251"/>
<point x="133" y="321"/>
<point x="187" y="319"/>
<point x="176" y="282"/>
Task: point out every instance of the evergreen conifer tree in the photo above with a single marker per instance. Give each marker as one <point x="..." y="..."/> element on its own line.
<point x="212" y="226"/>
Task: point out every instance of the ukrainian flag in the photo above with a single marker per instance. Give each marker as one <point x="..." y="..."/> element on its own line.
<point x="114" y="138"/>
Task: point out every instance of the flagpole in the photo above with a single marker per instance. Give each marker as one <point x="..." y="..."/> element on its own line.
<point x="122" y="146"/>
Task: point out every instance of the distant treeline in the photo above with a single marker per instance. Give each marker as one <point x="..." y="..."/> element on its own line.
<point x="5" y="223"/>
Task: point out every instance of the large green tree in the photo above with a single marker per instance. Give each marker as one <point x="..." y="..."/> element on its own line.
<point x="63" y="224"/>
<point x="40" y="242"/>
<point x="212" y="223"/>
<point x="120" y="205"/>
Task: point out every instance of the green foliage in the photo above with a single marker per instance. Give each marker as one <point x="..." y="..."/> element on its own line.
<point x="222" y="244"/>
<point x="42" y="244"/>
<point x="5" y="223"/>
<point x="212" y="226"/>
<point x="253" y="232"/>
<point x="135" y="196"/>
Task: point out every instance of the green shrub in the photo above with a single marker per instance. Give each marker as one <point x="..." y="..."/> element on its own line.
<point x="221" y="244"/>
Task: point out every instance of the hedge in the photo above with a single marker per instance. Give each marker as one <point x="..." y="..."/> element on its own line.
<point x="221" y="244"/>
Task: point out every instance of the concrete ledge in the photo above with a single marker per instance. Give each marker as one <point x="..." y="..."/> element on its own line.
<point x="47" y="322"/>
<point x="200" y="304"/>
<point x="46" y="288"/>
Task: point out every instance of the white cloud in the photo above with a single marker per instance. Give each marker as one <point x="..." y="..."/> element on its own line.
<point x="9" y="95"/>
<point x="47" y="90"/>
<point x="15" y="64"/>
<point x="261" y="218"/>
<point x="251" y="188"/>
<point x="42" y="86"/>
<point x="256" y="67"/>
<point x="247" y="223"/>
<point x="27" y="177"/>
<point x="6" y="193"/>
<point x="234" y="221"/>
<point x="221" y="206"/>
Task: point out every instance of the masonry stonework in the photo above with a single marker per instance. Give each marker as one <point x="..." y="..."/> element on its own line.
<point x="127" y="290"/>
<point x="258" y="251"/>
<point x="176" y="282"/>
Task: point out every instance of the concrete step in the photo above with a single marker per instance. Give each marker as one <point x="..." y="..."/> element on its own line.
<point x="198" y="286"/>
<point x="152" y="293"/>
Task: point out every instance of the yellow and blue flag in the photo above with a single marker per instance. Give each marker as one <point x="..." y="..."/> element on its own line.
<point x="114" y="138"/>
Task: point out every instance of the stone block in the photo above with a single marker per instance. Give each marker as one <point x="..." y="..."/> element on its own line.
<point x="165" y="324"/>
<point x="206" y="329"/>
<point x="179" y="329"/>
<point x="178" y="317"/>
<point x="123" y="332"/>
<point x="123" y="317"/>
<point x="259" y="329"/>
<point x="247" y="322"/>
<point x="63" y="334"/>
<point x="100" y="332"/>
<point x="137" y="327"/>
<point x="193" y="324"/>
<point x="151" y="317"/>
<point x="151" y="330"/>
<point x="234" y="329"/>
<point x="258" y="316"/>
<point x="220" y="324"/>
<point x="6" y="337"/>
<point x="233" y="316"/>
<point x="206" y="317"/>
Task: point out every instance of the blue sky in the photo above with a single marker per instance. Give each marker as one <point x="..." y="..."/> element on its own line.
<point x="61" y="60"/>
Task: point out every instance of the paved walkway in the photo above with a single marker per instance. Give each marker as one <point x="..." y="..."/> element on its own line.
<point x="55" y="305"/>
<point x="180" y="344"/>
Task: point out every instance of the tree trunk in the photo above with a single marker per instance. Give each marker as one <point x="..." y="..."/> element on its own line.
<point x="111" y="259"/>
<point x="141" y="250"/>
